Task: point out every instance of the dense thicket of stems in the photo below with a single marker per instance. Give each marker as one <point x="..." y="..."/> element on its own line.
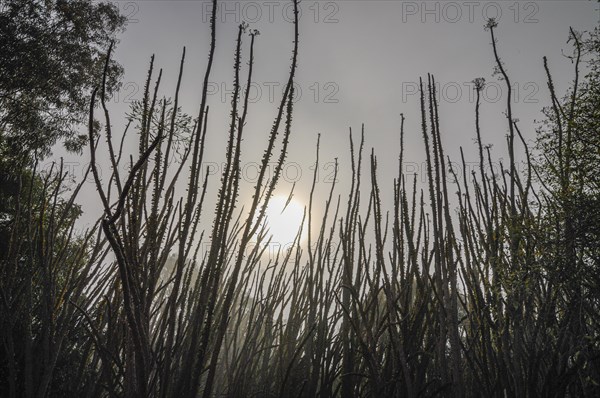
<point x="464" y="294"/>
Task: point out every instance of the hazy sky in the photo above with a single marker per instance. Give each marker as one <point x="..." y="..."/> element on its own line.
<point x="359" y="62"/>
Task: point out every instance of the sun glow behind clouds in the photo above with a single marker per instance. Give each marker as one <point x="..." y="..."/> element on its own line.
<point x="284" y="222"/>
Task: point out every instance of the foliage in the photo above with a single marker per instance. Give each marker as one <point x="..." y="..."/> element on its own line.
<point x="45" y="270"/>
<point x="52" y="56"/>
<point x="496" y="297"/>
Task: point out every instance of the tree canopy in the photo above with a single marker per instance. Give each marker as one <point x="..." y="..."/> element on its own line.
<point x="52" y="54"/>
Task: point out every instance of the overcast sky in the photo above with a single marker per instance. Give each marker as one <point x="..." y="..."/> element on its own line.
<point x="359" y="62"/>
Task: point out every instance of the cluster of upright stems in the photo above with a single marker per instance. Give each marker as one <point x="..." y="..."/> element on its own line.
<point x="459" y="290"/>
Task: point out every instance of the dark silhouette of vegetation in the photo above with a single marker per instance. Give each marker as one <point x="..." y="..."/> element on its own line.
<point x="480" y="284"/>
<point x="51" y="53"/>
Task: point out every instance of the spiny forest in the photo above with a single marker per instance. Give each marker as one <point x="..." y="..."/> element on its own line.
<point x="481" y="283"/>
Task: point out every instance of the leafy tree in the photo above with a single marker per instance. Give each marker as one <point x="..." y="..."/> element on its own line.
<point x="569" y="147"/>
<point x="45" y="265"/>
<point x="52" y="55"/>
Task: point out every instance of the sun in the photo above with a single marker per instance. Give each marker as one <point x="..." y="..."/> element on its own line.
<point x="284" y="221"/>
